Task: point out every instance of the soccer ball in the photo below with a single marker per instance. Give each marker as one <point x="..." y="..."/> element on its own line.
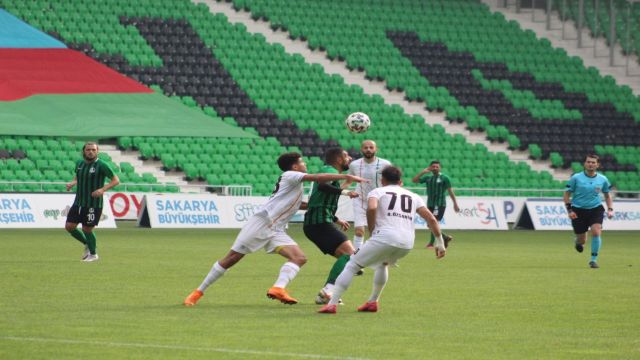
<point x="358" y="122"/>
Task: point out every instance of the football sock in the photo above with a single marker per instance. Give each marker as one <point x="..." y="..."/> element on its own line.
<point x="328" y="288"/>
<point x="288" y="272"/>
<point x="78" y="235"/>
<point x="379" y="281"/>
<point x="596" y="242"/>
<point x="216" y="273"/>
<point x="91" y="242"/>
<point x="433" y="239"/>
<point x="343" y="281"/>
<point x="357" y="241"/>
<point x="337" y="268"/>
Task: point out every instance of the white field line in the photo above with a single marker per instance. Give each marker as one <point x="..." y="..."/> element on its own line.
<point x="177" y="347"/>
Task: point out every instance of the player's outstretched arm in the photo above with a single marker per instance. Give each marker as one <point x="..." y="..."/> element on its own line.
<point x="434" y="226"/>
<point x="324" y="177"/>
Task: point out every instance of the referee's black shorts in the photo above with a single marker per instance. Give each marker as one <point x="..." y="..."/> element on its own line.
<point x="586" y="218"/>
<point x="327" y="237"/>
<point x="439" y="214"/>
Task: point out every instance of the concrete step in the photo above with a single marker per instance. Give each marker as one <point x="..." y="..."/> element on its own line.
<point x="594" y="52"/>
<point x="151" y="166"/>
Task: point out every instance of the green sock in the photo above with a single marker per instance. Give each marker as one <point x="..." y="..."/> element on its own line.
<point x="78" y="235"/>
<point x="337" y="268"/>
<point x="433" y="239"/>
<point x="91" y="242"/>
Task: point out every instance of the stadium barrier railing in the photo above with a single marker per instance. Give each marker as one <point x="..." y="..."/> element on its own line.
<point x="247" y="190"/>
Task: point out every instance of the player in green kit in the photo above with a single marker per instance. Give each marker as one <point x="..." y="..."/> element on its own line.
<point x="320" y="219"/>
<point x="91" y="173"/>
<point x="437" y="184"/>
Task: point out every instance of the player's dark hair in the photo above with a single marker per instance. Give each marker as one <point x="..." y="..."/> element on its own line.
<point x="593" y="156"/>
<point x="392" y="174"/>
<point x="286" y="161"/>
<point x="435" y="162"/>
<point x="332" y="155"/>
<point x="89" y="143"/>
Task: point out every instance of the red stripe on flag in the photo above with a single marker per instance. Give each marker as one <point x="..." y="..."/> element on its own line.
<point x="26" y="72"/>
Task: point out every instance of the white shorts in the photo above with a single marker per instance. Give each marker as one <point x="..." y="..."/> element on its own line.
<point x="256" y="234"/>
<point x="374" y="252"/>
<point x="359" y="212"/>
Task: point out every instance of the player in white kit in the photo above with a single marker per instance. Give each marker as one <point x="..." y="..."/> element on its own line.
<point x="266" y="229"/>
<point x="369" y="166"/>
<point x="390" y="217"/>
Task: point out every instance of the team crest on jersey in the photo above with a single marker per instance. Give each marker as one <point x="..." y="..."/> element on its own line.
<point x="92" y="170"/>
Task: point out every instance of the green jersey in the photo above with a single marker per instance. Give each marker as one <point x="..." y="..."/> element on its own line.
<point x="90" y="178"/>
<point x="322" y="205"/>
<point x="436" y="189"/>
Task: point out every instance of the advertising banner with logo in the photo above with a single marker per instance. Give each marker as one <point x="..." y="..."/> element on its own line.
<point x="197" y="210"/>
<point x="475" y="214"/>
<point x="212" y="211"/>
<point x="42" y="211"/>
<point x="125" y="205"/>
<point x="544" y="214"/>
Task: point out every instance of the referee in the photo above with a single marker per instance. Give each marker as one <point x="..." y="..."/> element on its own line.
<point x="584" y="205"/>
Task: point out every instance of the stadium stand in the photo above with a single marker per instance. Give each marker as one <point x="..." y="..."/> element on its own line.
<point x="597" y="18"/>
<point x="454" y="55"/>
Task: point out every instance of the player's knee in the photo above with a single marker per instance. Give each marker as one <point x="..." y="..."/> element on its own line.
<point x="359" y="231"/>
<point x="299" y="259"/>
<point x="87" y="229"/>
<point x="70" y="227"/>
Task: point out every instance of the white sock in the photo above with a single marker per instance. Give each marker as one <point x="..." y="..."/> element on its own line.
<point x="288" y="272"/>
<point x="380" y="278"/>
<point x="216" y="273"/>
<point x="328" y="288"/>
<point x="357" y="241"/>
<point x="343" y="281"/>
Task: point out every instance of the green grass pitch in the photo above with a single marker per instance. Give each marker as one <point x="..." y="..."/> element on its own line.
<point x="497" y="295"/>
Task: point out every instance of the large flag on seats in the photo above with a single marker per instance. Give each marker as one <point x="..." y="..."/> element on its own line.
<point x="47" y="89"/>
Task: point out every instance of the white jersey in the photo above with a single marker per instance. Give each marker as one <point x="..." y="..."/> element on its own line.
<point x="370" y="171"/>
<point x="285" y="200"/>
<point x="395" y="215"/>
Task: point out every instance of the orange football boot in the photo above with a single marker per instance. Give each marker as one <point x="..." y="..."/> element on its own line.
<point x="282" y="295"/>
<point x="193" y="298"/>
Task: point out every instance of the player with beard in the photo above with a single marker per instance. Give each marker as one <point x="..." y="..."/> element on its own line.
<point x="437" y="183"/>
<point x="91" y="173"/>
<point x="321" y="216"/>
<point x="369" y="166"/>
